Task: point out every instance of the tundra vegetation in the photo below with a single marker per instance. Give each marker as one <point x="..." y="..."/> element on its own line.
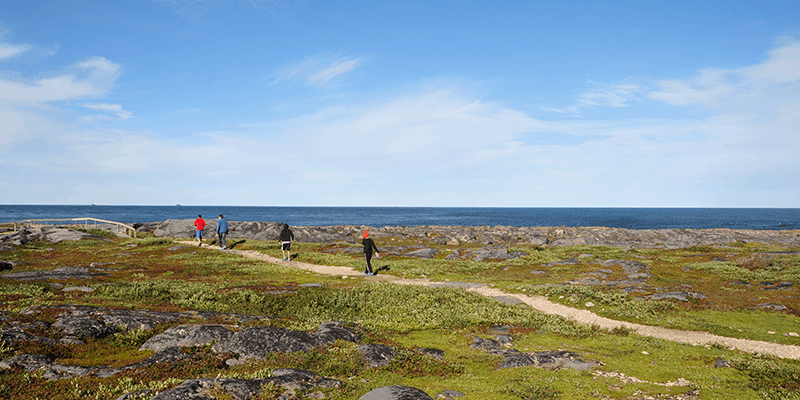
<point x="159" y="274"/>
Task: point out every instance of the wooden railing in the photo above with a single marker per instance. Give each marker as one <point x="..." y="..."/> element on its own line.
<point x="129" y="230"/>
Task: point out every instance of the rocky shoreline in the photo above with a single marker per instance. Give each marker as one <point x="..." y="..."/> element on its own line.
<point x="488" y="235"/>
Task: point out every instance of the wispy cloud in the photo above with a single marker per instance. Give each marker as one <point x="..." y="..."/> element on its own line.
<point x="114" y="109"/>
<point x="333" y="70"/>
<point x="10" y="51"/>
<point x="196" y="8"/>
<point x="603" y="95"/>
<point x="713" y="87"/>
<point x="92" y="77"/>
<point x="313" y="72"/>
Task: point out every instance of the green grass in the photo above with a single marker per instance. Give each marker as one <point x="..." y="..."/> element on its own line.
<point x="409" y="317"/>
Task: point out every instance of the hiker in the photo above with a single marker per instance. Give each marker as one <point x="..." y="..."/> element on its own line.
<point x="200" y="224"/>
<point x="369" y="246"/>
<point x="222" y="230"/>
<point x="286" y="238"/>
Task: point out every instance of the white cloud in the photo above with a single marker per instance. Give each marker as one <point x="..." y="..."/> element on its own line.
<point x="195" y="8"/>
<point x="311" y="72"/>
<point x="115" y="109"/>
<point x="608" y="95"/>
<point x="91" y="78"/>
<point x="333" y="70"/>
<point x="10" y="51"/>
<point x="714" y="87"/>
<point x="435" y="146"/>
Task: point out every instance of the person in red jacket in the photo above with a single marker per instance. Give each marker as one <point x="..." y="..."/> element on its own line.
<point x="200" y="224"/>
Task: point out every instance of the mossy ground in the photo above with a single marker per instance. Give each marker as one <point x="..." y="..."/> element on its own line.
<point x="158" y="276"/>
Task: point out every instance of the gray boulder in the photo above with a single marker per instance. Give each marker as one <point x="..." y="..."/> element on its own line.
<point x="422" y="253"/>
<point x="769" y="306"/>
<point x="258" y="230"/>
<point x="330" y="332"/>
<point x="58" y="273"/>
<point x="256" y="342"/>
<point x="568" y="261"/>
<point x="58" y="371"/>
<point x="293" y="380"/>
<point x="28" y="362"/>
<point x="435" y="353"/>
<point x="187" y="336"/>
<point x="551" y="360"/>
<point x="201" y="389"/>
<point x="513" y="358"/>
<point x="396" y="392"/>
<point x="13" y="335"/>
<point x="681" y="295"/>
<point x="83" y="327"/>
<point x="378" y="355"/>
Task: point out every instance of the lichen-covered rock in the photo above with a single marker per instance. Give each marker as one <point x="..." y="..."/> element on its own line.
<point x="187" y="336"/>
<point x="293" y="380"/>
<point x="435" y="353"/>
<point x="396" y="392"/>
<point x="256" y="342"/>
<point x="58" y="273"/>
<point x="13" y="335"/>
<point x="52" y="234"/>
<point x="681" y="295"/>
<point x="83" y="327"/>
<point x="330" y="332"/>
<point x="28" y="362"/>
<point x="378" y="355"/>
<point x="422" y="253"/>
<point x="513" y="358"/>
<point x="210" y="389"/>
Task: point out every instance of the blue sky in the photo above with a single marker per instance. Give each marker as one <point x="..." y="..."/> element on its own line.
<point x="412" y="103"/>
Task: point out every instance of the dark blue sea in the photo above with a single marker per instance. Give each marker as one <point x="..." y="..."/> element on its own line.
<point x="629" y="218"/>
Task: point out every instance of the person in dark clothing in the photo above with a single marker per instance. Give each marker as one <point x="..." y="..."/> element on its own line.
<point x="286" y="238"/>
<point x="222" y="231"/>
<point x="369" y="246"/>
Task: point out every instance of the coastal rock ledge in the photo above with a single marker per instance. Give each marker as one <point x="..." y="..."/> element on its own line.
<point x="510" y="235"/>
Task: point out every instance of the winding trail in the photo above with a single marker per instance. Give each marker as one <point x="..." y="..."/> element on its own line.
<point x="542" y="304"/>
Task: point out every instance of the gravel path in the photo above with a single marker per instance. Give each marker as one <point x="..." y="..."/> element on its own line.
<point x="542" y="304"/>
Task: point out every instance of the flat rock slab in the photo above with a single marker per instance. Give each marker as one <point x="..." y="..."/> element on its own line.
<point x="462" y="285"/>
<point x="770" y="306"/>
<point x="58" y="274"/>
<point x="52" y="234"/>
<point x="426" y="253"/>
<point x="513" y="358"/>
<point x="551" y="360"/>
<point x="378" y="355"/>
<point x="435" y="353"/>
<point x="187" y="336"/>
<point x="84" y="327"/>
<point x="508" y="300"/>
<point x="681" y="295"/>
<point x="396" y="392"/>
<point x="256" y="342"/>
<point x="293" y="380"/>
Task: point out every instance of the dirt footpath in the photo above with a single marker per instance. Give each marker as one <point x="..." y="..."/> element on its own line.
<point x="542" y="304"/>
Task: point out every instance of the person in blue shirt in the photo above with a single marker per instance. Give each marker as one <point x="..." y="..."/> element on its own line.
<point x="222" y="231"/>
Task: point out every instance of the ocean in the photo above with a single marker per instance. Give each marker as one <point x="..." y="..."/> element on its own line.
<point x="629" y="218"/>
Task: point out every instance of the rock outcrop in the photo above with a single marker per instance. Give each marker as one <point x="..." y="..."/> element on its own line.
<point x="490" y="235"/>
<point x="52" y="234"/>
<point x="513" y="358"/>
<point x="396" y="392"/>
